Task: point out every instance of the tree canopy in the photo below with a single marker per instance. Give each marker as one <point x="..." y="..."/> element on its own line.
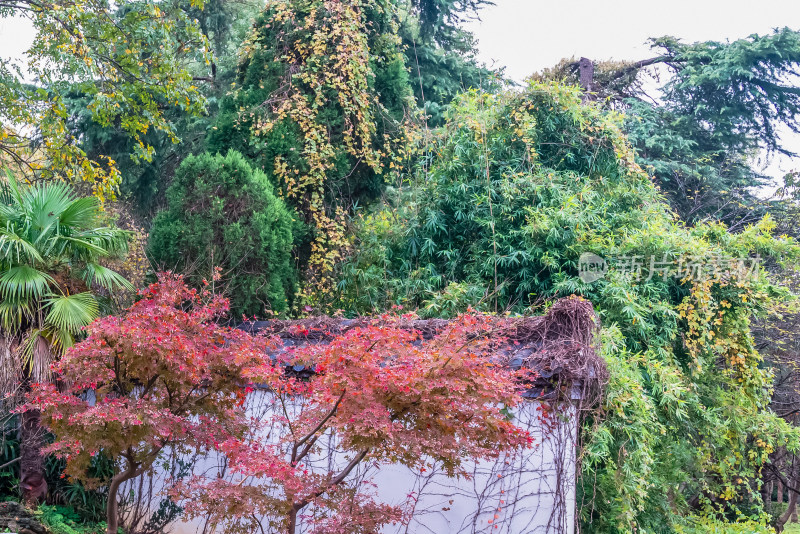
<point x="328" y="157"/>
<point x="129" y="64"/>
<point x="721" y="104"/>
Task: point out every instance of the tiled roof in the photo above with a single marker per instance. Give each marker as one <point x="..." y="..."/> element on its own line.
<point x="560" y="345"/>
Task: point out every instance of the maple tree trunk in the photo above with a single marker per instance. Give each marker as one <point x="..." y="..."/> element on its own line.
<point x="291" y="524"/>
<point x="31" y="467"/>
<point x="112" y="506"/>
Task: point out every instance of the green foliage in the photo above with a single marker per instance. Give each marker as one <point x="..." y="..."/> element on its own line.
<point x="222" y="213"/>
<point x="9" y="451"/>
<point x="441" y="55"/>
<point x="517" y="187"/>
<point x="319" y="104"/>
<point x="705" y="525"/>
<point x="86" y="505"/>
<point x="723" y="102"/>
<point x="702" y="178"/>
<point x="438" y="19"/>
<point x="741" y="90"/>
<point x="144" y="182"/>
<point x="51" y="253"/>
<point x="64" y="520"/>
<point x="129" y="65"/>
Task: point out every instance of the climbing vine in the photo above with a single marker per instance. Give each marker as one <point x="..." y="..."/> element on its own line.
<point x="322" y="104"/>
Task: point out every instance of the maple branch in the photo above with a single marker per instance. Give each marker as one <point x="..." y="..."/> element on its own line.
<point x="311" y="434"/>
<point x="286" y="414"/>
<point x="149" y="385"/>
<point x="338" y="479"/>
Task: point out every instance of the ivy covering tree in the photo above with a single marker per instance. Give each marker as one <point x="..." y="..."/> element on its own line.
<point x="319" y="104"/>
<point x="517" y="188"/>
<point x="222" y="213"/>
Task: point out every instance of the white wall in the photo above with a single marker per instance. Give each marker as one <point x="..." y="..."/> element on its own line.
<point x="528" y="492"/>
<point x="532" y="491"/>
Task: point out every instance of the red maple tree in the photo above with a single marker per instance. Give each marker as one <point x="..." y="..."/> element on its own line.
<point x="166" y="375"/>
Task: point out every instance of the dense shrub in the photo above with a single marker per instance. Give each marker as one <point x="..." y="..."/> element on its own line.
<point x="222" y="213"/>
<point x="517" y="187"/>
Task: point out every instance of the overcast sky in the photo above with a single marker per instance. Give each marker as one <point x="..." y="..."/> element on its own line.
<point x="527" y="35"/>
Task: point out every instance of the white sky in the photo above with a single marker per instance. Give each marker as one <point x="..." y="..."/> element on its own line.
<point x="527" y="35"/>
<point x="16" y="36"/>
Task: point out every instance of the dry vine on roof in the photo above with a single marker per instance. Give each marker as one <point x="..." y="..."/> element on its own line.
<point x="561" y="346"/>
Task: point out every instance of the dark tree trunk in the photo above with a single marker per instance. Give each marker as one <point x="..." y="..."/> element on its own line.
<point x="794" y="480"/>
<point x="766" y="496"/>
<point x="586" y="73"/>
<point x="133" y="470"/>
<point x="32" y="478"/>
<point x="32" y="481"/>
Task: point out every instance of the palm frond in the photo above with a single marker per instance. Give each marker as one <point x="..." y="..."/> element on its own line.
<point x="60" y="340"/>
<point x="107" y="278"/>
<point x="81" y="246"/>
<point x="44" y="205"/>
<point x="12" y="314"/>
<point x="113" y="240"/>
<point x="70" y="313"/>
<point x="9" y="209"/>
<point x="24" y="283"/>
<point x="37" y="354"/>
<point x="80" y="213"/>
<point x="8" y="212"/>
<point x="16" y="249"/>
<point x="12" y="191"/>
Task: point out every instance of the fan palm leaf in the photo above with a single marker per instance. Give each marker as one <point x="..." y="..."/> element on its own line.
<point x="24" y="283"/>
<point x="15" y="248"/>
<point x="104" y="277"/>
<point x="80" y="213"/>
<point x="12" y="314"/>
<point x="50" y="245"/>
<point x="70" y="313"/>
